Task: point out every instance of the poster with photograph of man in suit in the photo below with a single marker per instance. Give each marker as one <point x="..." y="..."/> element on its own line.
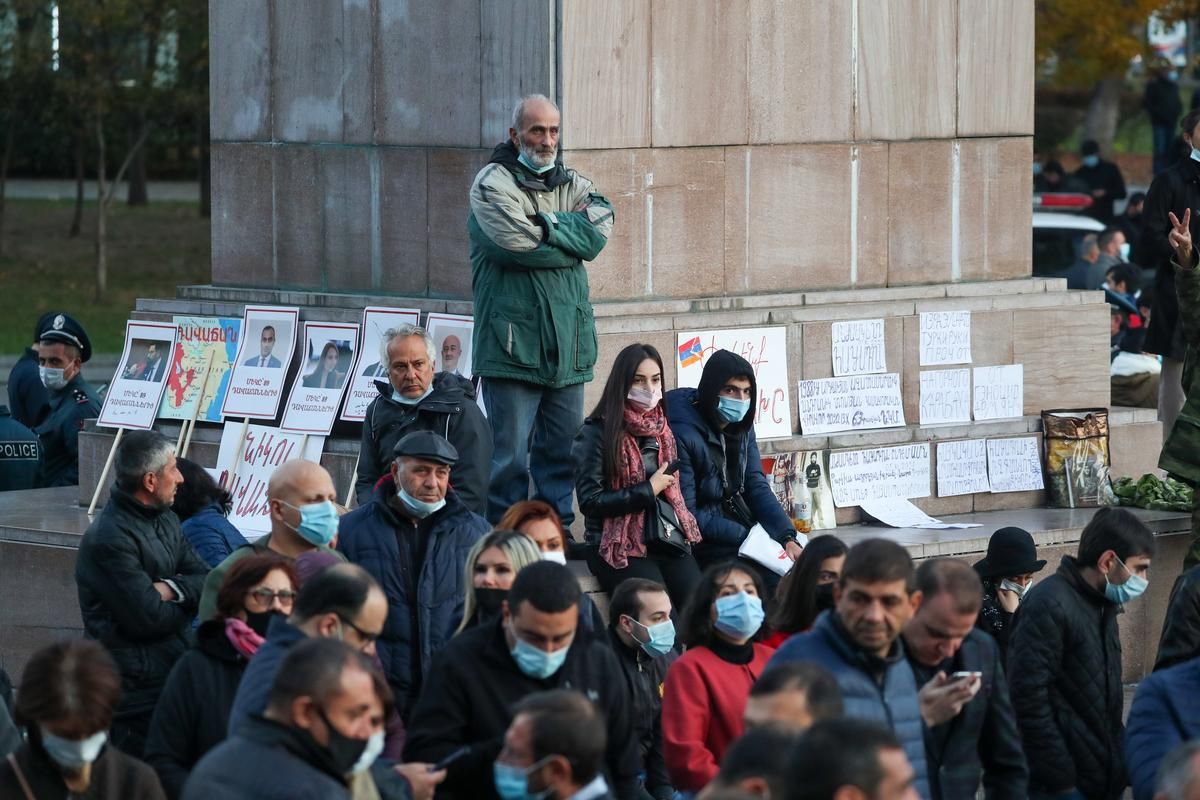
<point x="801" y="482"/>
<point x="265" y="352"/>
<point x="137" y="387"/>
<point x="371" y="365"/>
<point x="452" y="337"/>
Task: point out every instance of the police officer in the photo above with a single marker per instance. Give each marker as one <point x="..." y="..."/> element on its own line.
<point x="19" y="453"/>
<point x="63" y="347"/>
<point x="27" y="396"/>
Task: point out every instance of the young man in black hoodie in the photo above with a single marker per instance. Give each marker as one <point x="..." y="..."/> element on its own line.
<point x="720" y="470"/>
<point x="478" y="678"/>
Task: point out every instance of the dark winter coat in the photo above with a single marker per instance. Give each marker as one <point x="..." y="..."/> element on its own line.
<point x="1179" y="453"/>
<point x="468" y="699"/>
<point x="122" y="554"/>
<point x="720" y="470"/>
<point x="420" y="566"/>
<point x="981" y="744"/>
<point x="880" y="689"/>
<point x="212" y="535"/>
<point x="27" y="396"/>
<point x="258" y="677"/>
<point x="1180" y="639"/>
<point x="1162" y="102"/>
<point x="644" y="678"/>
<point x="1175" y="189"/>
<point x="192" y="714"/>
<point x="451" y="411"/>
<point x="1064" y="666"/>
<point x="115" y="776"/>
<point x="1107" y="176"/>
<point x="994" y="619"/>
<point x="1165" y="714"/>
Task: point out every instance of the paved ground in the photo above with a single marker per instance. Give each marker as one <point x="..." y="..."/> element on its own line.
<point x="159" y="191"/>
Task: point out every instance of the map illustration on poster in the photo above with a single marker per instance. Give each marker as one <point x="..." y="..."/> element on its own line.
<point x="198" y="337"/>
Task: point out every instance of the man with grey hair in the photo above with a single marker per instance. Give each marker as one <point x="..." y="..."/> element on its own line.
<point x="533" y="223"/>
<point x="415" y="398"/>
<point x="139" y="581"/>
<point x="1179" y="776"/>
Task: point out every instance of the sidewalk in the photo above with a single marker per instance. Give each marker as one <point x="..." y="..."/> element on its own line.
<point x="53" y="189"/>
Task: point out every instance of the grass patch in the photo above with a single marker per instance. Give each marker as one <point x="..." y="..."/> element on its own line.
<point x="151" y="250"/>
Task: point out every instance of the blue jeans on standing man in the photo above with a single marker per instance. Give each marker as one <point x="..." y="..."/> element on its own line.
<point x="532" y="430"/>
<point x="1162" y="136"/>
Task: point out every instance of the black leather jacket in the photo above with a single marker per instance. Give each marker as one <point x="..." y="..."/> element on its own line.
<point x="1181" y="629"/>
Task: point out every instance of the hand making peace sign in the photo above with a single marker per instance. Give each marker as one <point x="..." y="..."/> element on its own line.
<point x="1180" y="238"/>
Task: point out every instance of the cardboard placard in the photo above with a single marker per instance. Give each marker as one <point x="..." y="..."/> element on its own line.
<point x="261" y="454"/>
<point x="860" y="402"/>
<point x="200" y="337"/>
<point x="260" y="368"/>
<point x="765" y="349"/>
<point x="945" y="338"/>
<point x="945" y="396"/>
<point x="371" y="363"/>
<point x="880" y="473"/>
<point x="316" y="396"/>
<point x="999" y="392"/>
<point x="962" y="467"/>
<point x="858" y="347"/>
<point x="452" y="335"/>
<point x="1015" y="465"/>
<point x="137" y="387"/>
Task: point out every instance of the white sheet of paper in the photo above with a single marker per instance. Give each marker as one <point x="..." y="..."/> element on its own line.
<point x="879" y="473"/>
<point x="962" y="467"/>
<point x="765" y="349"/>
<point x="900" y="513"/>
<point x="1015" y="465"/>
<point x="945" y="338"/>
<point x="858" y="347"/>
<point x="261" y="454"/>
<point x="854" y="403"/>
<point x="945" y="396"/>
<point x="999" y="392"/>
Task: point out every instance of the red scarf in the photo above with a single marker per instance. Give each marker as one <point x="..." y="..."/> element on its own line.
<point x="243" y="638"/>
<point x="624" y="537"/>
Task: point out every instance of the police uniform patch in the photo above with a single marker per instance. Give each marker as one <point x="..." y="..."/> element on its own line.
<point x="81" y="396"/>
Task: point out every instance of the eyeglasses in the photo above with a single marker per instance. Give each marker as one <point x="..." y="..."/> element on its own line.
<point x="267" y="596"/>
<point x="367" y="638"/>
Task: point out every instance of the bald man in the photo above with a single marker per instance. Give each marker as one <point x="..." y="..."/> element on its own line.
<point x="297" y="493"/>
<point x="451" y="353"/>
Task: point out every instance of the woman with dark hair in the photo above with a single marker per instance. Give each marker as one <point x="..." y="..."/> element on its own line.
<point x="636" y="522"/>
<point x="201" y="506"/>
<point x="192" y="714"/>
<point x="66" y="700"/>
<point x="705" y="693"/>
<point x="807" y="589"/>
<point x="326" y="375"/>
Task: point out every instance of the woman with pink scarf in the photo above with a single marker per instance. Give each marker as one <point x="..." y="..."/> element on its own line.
<point x="625" y="461"/>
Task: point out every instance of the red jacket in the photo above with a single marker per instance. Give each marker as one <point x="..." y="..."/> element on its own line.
<point x="703" y="703"/>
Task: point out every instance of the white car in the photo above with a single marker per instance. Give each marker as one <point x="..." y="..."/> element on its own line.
<point x="1056" y="241"/>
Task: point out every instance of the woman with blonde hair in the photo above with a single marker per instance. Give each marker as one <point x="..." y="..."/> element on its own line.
<point x="492" y="564"/>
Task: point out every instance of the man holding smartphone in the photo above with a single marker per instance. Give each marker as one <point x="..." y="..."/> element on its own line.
<point x="970" y="729"/>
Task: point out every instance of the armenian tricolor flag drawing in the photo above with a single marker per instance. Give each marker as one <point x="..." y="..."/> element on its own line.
<point x="690" y="352"/>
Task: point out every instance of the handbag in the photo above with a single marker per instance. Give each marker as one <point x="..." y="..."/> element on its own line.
<point x="666" y="538"/>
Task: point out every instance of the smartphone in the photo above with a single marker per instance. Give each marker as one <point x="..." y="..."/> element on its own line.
<point x="673" y="467"/>
<point x="958" y="676"/>
<point x="450" y="759"/>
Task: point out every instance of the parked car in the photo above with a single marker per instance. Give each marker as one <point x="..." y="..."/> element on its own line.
<point x="1056" y="240"/>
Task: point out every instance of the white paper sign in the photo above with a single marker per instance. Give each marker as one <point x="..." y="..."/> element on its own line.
<point x="317" y="392"/>
<point x="900" y="513"/>
<point x="945" y="396"/>
<point x="945" y="338"/>
<point x="962" y="467"/>
<point x="858" y="347"/>
<point x="999" y="392"/>
<point x="1014" y="465"/>
<point x="766" y="350"/>
<point x="260" y="368"/>
<point x="879" y="474"/>
<point x="830" y="405"/>
<point x="371" y="364"/>
<point x="261" y="454"/>
<point x="452" y="335"/>
<point x="137" y="387"/>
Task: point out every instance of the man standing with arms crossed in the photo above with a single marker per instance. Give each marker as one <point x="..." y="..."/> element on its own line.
<point x="533" y="224"/>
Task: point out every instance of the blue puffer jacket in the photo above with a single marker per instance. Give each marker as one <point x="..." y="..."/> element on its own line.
<point x="424" y="609"/>
<point x="1165" y="714"/>
<point x="705" y="484"/>
<point x="211" y="534"/>
<point x="884" y="690"/>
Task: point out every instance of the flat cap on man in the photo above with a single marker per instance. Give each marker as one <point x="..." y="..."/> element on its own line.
<point x="66" y="329"/>
<point x="428" y="446"/>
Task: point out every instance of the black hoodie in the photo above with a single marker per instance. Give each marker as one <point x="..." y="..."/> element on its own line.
<point x="721" y="367"/>
<point x="506" y="153"/>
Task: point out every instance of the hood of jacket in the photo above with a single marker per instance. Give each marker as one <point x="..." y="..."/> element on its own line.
<point x="449" y="393"/>
<point x="505" y="154"/>
<point x="214" y="643"/>
<point x="851" y="652"/>
<point x="721" y="366"/>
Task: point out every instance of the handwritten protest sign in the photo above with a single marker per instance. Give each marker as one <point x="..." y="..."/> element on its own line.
<point x="879" y="473"/>
<point x="945" y="396"/>
<point x="860" y="402"/>
<point x="766" y="350"/>
<point x="452" y="336"/>
<point x="136" y="389"/>
<point x="371" y="363"/>
<point x="858" y="347"/>
<point x="200" y="337"/>
<point x="1014" y="465"/>
<point x="945" y="338"/>
<point x="263" y="451"/>
<point x="316" y="394"/>
<point x="999" y="392"/>
<point x="263" y="357"/>
<point x="962" y="467"/>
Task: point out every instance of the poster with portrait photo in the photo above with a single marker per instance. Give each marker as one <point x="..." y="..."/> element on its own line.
<point x="452" y="342"/>
<point x="137" y="387"/>
<point x="801" y="476"/>
<point x="266" y="350"/>
<point x="328" y="356"/>
<point x="371" y="363"/>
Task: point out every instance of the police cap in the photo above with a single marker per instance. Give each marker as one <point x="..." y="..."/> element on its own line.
<point x="427" y="446"/>
<point x="66" y="329"/>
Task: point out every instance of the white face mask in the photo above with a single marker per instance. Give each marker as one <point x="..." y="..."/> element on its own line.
<point x="557" y="556"/>
<point x="1013" y="586"/>
<point x="372" y="751"/>
<point x="52" y="377"/>
<point x="1125" y="252"/>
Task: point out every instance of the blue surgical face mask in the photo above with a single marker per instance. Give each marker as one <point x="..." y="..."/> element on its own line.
<point x="529" y="165"/>
<point x="1125" y="251"/>
<point x="662" y="637"/>
<point x="318" y="522"/>
<point x="1173" y="75"/>
<point x="411" y="401"/>
<point x="1195" y="157"/>
<point x="419" y="508"/>
<point x="512" y="783"/>
<point x="52" y="378"/>
<point x="732" y="410"/>
<point x="73" y="754"/>
<point x="536" y="662"/>
<point x="1037" y="168"/>
<point x="1091" y="161"/>
<point x="739" y="616"/>
<point x="1129" y="590"/>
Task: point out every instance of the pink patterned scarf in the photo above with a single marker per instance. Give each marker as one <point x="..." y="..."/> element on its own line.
<point x="243" y="638"/>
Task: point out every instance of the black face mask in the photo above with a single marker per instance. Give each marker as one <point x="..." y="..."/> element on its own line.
<point x="824" y="597"/>
<point x="344" y="752"/>
<point x="259" y="621"/>
<point x="489" y="601"/>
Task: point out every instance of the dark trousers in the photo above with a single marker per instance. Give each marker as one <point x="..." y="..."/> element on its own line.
<point x="680" y="574"/>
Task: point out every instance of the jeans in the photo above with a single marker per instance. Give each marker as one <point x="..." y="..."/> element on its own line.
<point x="1162" y="136"/>
<point x="532" y="430"/>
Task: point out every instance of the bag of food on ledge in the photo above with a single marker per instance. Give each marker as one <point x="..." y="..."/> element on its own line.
<point x="1077" y="461"/>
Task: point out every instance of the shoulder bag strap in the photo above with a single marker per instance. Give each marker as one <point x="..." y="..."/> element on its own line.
<point x="12" y="759"/>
